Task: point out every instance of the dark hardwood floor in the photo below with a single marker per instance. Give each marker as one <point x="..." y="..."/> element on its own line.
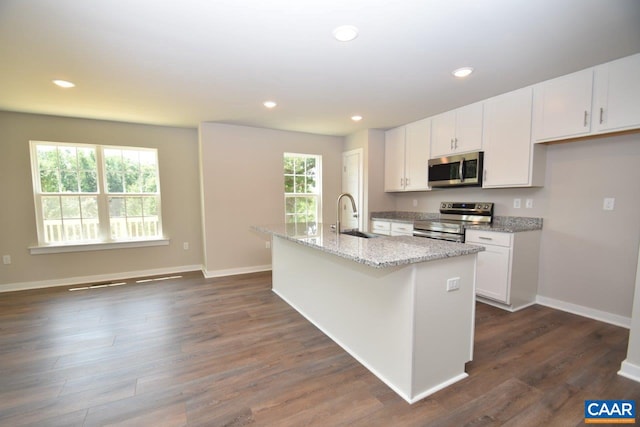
<point x="228" y="352"/>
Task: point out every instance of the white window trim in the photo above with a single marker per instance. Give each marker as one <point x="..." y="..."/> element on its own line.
<point x="97" y="246"/>
<point x="82" y="246"/>
<point x="318" y="196"/>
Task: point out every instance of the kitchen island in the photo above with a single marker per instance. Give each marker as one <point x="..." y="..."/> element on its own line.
<point x="402" y="306"/>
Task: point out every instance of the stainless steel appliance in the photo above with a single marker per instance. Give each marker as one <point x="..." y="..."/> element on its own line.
<point x="462" y="170"/>
<point x="453" y="218"/>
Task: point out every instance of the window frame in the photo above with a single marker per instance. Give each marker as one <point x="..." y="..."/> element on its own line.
<point x="317" y="196"/>
<point x="104" y="239"/>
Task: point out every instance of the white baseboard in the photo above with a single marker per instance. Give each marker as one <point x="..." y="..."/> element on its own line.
<point x="235" y="271"/>
<point x="629" y="370"/>
<point x="70" y="281"/>
<point x="580" y="310"/>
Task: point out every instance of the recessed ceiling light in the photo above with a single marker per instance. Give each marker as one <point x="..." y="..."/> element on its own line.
<point x="63" y="83"/>
<point x="269" y="104"/>
<point x="462" y="72"/>
<point x="345" y="33"/>
<point x="356" y="118"/>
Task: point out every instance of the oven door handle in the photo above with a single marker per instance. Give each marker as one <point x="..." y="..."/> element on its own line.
<point x="461" y="170"/>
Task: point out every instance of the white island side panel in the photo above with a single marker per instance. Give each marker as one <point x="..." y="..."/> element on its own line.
<point x="399" y="322"/>
<point x="367" y="311"/>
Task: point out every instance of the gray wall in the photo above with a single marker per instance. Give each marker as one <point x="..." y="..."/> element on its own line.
<point x="588" y="256"/>
<point x="243" y="185"/>
<point x="178" y="161"/>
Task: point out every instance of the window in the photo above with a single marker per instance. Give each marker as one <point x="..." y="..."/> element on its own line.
<point x="91" y="193"/>
<point x="302" y="188"/>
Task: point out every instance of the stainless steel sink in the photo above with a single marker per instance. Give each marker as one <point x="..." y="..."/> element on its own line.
<point x="360" y="234"/>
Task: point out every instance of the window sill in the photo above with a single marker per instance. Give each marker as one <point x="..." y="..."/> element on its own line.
<point x="85" y="247"/>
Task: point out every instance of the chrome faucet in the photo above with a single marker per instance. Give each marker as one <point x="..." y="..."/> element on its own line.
<point x="353" y="205"/>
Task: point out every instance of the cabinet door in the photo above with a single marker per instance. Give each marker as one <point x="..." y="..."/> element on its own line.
<point x="617" y="95"/>
<point x="416" y="154"/>
<point x="562" y="106"/>
<point x="401" y="229"/>
<point x="394" y="159"/>
<point x="443" y="130"/>
<point x="468" y="128"/>
<point x="493" y="273"/>
<point x="507" y="139"/>
<point x="381" y="227"/>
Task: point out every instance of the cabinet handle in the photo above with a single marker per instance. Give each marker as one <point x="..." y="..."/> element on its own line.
<point x="585" y="118"/>
<point x="451" y="145"/>
<point x="401" y="182"/>
<point x="484" y="175"/>
<point x="406" y="181"/>
<point x="484" y="238"/>
<point x="601" y="114"/>
<point x="456" y="143"/>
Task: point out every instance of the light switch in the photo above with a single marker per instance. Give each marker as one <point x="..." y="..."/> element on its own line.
<point x="453" y="284"/>
<point x="609" y="203"/>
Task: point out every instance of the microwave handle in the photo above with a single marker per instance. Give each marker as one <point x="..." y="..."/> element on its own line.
<point x="461" y="170"/>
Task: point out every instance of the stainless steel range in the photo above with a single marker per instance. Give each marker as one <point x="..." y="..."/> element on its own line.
<point x="453" y="218"/>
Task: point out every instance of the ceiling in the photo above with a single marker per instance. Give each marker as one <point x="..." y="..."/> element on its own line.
<point x="180" y="63"/>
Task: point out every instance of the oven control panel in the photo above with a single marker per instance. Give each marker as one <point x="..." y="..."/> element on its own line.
<point x="478" y="208"/>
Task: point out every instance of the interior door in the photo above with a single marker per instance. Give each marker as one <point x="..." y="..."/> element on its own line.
<point x="352" y="175"/>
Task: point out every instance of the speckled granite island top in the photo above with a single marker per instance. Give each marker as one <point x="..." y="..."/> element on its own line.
<point x="379" y="252"/>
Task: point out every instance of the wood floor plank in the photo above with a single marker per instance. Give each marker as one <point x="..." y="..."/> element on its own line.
<point x="227" y="351"/>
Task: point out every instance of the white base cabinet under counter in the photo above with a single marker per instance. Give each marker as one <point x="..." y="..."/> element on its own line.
<point x="391" y="228"/>
<point x="381" y="227"/>
<point x="507" y="270"/>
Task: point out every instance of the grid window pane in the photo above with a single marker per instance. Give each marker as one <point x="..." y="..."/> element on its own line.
<point x="301" y="188"/>
<point x="71" y="196"/>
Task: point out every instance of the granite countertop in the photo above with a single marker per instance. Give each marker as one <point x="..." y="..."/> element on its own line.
<point x="378" y="252"/>
<point x="505" y="224"/>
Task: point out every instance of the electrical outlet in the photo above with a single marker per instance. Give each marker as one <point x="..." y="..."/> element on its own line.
<point x="415" y="203"/>
<point x="185" y="246"/>
<point x="609" y="203"/>
<point x="516" y="203"/>
<point x="453" y="284"/>
<point x="6" y="259"/>
<point x="528" y="203"/>
<point x="267" y="244"/>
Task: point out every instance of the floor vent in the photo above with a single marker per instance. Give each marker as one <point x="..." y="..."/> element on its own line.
<point x="97" y="286"/>
<point x="108" y="285"/>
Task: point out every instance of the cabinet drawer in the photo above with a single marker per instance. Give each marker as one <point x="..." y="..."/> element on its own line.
<point x="381" y="227"/>
<point x="489" y="237"/>
<point x="402" y="227"/>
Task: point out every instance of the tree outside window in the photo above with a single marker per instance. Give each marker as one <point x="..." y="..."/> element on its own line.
<point x="92" y="193"/>
<point x="302" y="188"/>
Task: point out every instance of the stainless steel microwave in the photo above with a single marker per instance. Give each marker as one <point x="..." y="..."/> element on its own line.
<point x="460" y="170"/>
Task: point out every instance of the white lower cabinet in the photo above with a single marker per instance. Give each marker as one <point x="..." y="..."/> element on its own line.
<point x="401" y="229"/>
<point x="392" y="228"/>
<point x="507" y="270"/>
<point x="381" y="227"/>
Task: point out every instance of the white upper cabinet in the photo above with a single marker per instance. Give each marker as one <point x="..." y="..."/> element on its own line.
<point x="457" y="131"/>
<point x="510" y="158"/>
<point x="406" y="150"/>
<point x="417" y="155"/>
<point x="616" y="100"/>
<point x="394" y="159"/>
<point x="562" y="107"/>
